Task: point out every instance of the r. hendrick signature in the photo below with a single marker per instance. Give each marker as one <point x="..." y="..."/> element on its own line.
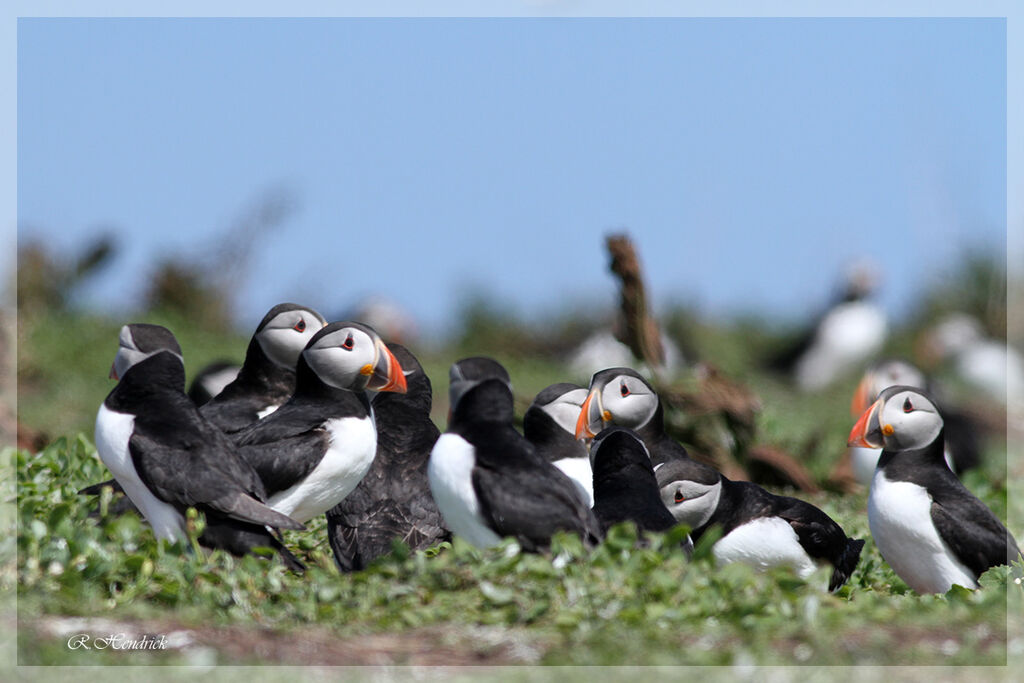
<point x="116" y="641"/>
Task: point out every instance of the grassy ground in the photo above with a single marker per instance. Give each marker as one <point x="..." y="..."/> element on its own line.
<point x="80" y="571"/>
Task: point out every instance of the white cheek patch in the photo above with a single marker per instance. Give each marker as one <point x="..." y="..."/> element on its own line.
<point x="633" y="411"/>
<point x="335" y="366"/>
<point x="565" y="411"/>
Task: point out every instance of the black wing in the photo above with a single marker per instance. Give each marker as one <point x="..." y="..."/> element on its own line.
<point x="231" y="416"/>
<point x="972" y="532"/>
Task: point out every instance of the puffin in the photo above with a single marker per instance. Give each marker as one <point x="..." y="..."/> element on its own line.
<point x="211" y="380"/>
<point x="488" y="480"/>
<point x="758" y="528"/>
<point x="393" y="500"/>
<point x="622" y="397"/>
<point x="850" y="332"/>
<point x="989" y="365"/>
<point x="167" y="458"/>
<point x="550" y="425"/>
<point x="962" y="451"/>
<point x="931" y="530"/>
<point x="625" y="488"/>
<point x="267" y="377"/>
<point x="312" y="451"/>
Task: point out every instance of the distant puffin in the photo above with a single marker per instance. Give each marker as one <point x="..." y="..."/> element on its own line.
<point x="848" y="334"/>
<point x="487" y="479"/>
<point x="313" y="451"/>
<point x="550" y="425"/>
<point x="931" y="530"/>
<point x="267" y="377"/>
<point x="393" y="500"/>
<point x="625" y="488"/>
<point x="211" y="380"/>
<point x="989" y="365"/>
<point x="962" y="451"/>
<point x="167" y="458"/>
<point x="758" y="528"/>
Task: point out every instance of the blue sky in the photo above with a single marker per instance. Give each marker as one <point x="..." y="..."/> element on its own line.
<point x="429" y="159"/>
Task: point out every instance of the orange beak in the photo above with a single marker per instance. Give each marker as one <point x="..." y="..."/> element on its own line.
<point x="861" y="398"/>
<point x="589" y="421"/>
<point x="867" y="433"/>
<point x="113" y="372"/>
<point x="387" y="372"/>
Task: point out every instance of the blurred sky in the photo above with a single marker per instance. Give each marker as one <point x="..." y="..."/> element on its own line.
<point x="433" y="159"/>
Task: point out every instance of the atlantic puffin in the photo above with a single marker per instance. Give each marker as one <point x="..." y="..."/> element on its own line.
<point x="989" y="365"/>
<point x="758" y="528"/>
<point x="393" y="500"/>
<point x="267" y="377"/>
<point x="622" y="397"/>
<point x="849" y="333"/>
<point x="931" y="530"/>
<point x="167" y="458"/>
<point x="488" y="480"/>
<point x="550" y="425"/>
<point x="961" y="449"/>
<point x="625" y="488"/>
<point x="313" y="451"/>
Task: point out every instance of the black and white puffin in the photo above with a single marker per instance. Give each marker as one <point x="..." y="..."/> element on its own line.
<point x="622" y="397"/>
<point x="625" y="488"/>
<point x="850" y="332"/>
<point x="758" y="527"/>
<point x="962" y="451"/>
<point x="313" y="451"/>
<point x="931" y="530"/>
<point x="167" y="458"/>
<point x="550" y="425"/>
<point x="487" y="479"/>
<point x="393" y="500"/>
<point x="267" y="377"/>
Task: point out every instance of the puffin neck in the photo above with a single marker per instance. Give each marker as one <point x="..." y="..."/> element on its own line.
<point x="488" y="401"/>
<point x="259" y="371"/>
<point x="933" y="453"/>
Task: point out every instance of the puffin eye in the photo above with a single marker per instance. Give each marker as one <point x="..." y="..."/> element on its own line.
<point x="624" y="390"/>
<point x="680" y="497"/>
<point x="907" y="405"/>
<point x="300" y="326"/>
<point x="349" y="343"/>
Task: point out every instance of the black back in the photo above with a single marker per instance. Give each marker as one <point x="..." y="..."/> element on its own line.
<point x="393" y="500"/>
<point x="520" y="493"/>
<point x="198" y="391"/>
<point x="625" y="488"/>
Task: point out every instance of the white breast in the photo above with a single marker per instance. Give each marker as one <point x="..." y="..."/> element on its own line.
<point x="578" y="469"/>
<point x="899" y="515"/>
<point x="764" y="543"/>
<point x="450" y="472"/>
<point x="113" y="430"/>
<point x="351" y="447"/>
<point x="849" y="334"/>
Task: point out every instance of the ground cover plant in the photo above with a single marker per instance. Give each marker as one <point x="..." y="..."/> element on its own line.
<point x="82" y="570"/>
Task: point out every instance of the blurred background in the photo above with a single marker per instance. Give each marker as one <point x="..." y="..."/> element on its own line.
<point x="453" y="182"/>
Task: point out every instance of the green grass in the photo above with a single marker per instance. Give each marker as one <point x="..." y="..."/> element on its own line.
<point x="619" y="604"/>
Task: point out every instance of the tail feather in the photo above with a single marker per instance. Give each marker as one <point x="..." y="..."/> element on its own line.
<point x="246" y="508"/>
<point x="846" y="564"/>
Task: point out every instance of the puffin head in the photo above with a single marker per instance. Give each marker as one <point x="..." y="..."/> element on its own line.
<point x="139" y="341"/>
<point x="902" y="418"/>
<point x="285" y="331"/>
<point x="617" y="396"/>
<point x="350" y="355"/>
<point x="689" y="490"/>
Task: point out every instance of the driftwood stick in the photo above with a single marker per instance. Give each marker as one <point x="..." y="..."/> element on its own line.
<point x="640" y="330"/>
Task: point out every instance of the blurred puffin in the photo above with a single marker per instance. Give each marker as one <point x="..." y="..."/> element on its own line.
<point x="758" y="528"/>
<point x="550" y="425"/>
<point x="393" y="500"/>
<point x="987" y="364"/>
<point x="850" y="332"/>
<point x="211" y="380"/>
<point x="625" y="488"/>
<point x="267" y="377"/>
<point x="930" y="529"/>
<point x="313" y="451"/>
<point x="488" y="480"/>
<point x="961" y="452"/>
<point x="167" y="458"/>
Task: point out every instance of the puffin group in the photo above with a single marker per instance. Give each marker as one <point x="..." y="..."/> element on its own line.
<point x="329" y="419"/>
